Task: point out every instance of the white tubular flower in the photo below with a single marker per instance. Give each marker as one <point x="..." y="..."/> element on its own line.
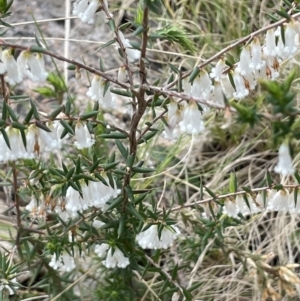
<point x="176" y="296"/>
<point x="270" y="47"/>
<point x="192" y="122"/>
<point x="186" y="86"/>
<point x="56" y="131"/>
<point x="96" y="93"/>
<point x="16" y="150"/>
<point x="285" y="164"/>
<point x="172" y="110"/>
<point x="74" y="202"/>
<point x="201" y="87"/>
<point x="8" y="285"/>
<point x="48" y="141"/>
<point x="122" y="74"/>
<point x="242" y="206"/>
<point x="95" y="88"/>
<point x="174" y="116"/>
<point x="170" y="134"/>
<point x="64" y="263"/>
<point x="290" y="39"/>
<point x="32" y="66"/>
<point x="86" y="10"/>
<point x="41" y="73"/>
<point x="217" y="71"/>
<point x="86" y="193"/>
<point x="294" y="208"/>
<point x="100" y="250"/>
<point x="227" y="86"/>
<point x="256" y="56"/>
<point x="288" y="49"/>
<point x="279" y="201"/>
<point x="230" y="208"/>
<point x="97" y="224"/>
<point x="115" y="258"/>
<point x="132" y="54"/>
<point x="240" y="203"/>
<point x="32" y="206"/>
<point x="149" y="239"/>
<point x="40" y="141"/>
<point x="13" y="75"/>
<point x="89" y="14"/>
<point x="244" y="63"/>
<point x="3" y="149"/>
<point x="2" y="65"/>
<point x="62" y="212"/>
<point x="280" y="49"/>
<point x="239" y="82"/>
<point x="261" y="201"/>
<point x="107" y="101"/>
<point x="32" y="141"/>
<point x="101" y="193"/>
<point x="80" y="7"/>
<point x="243" y="67"/>
<point x="216" y="95"/>
<point x="83" y="136"/>
<point x="272" y="67"/>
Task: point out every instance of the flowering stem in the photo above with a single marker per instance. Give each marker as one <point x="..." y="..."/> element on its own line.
<point x="233" y="194"/>
<point x="74" y="118"/>
<point x="183" y="96"/>
<point x="247" y="39"/>
<point x="72" y="62"/>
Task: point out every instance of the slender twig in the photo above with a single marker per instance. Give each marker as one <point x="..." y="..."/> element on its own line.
<point x="67" y="36"/>
<point x="119" y="41"/>
<point x="142" y="104"/>
<point x="17" y="202"/>
<point x="166" y="274"/>
<point x="183" y="96"/>
<point x="143" y="75"/>
<point x="158" y="117"/>
<point x="3" y="87"/>
<point x="36" y="298"/>
<point x="228" y="195"/>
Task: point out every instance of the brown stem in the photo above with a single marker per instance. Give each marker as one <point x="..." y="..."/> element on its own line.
<point x="227" y="195"/>
<point x="152" y="123"/>
<point x="17" y="203"/>
<point x="119" y="41"/>
<point x="143" y="74"/>
<point x="142" y="104"/>
<point x="166" y="274"/>
<point x="3" y="87"/>
<point x="171" y="93"/>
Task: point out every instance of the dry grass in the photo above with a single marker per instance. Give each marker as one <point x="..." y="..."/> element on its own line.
<point x="224" y="273"/>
